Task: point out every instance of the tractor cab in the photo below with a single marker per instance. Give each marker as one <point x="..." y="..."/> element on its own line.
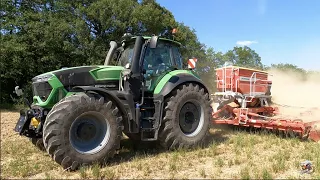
<point x="156" y="57"/>
<point x="158" y="61"/>
<point x="149" y="63"/>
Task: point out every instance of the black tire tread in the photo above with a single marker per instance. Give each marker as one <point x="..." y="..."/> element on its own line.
<point x="38" y="142"/>
<point x="54" y="122"/>
<point x="168" y="137"/>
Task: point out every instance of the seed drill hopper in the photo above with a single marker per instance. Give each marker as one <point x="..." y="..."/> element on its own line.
<point x="243" y="98"/>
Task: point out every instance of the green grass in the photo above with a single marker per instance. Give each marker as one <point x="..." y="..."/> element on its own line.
<point x="244" y="173"/>
<point x="219" y="162"/>
<point x="266" y="174"/>
<point x="96" y="171"/>
<point x="233" y="155"/>
<point x="25" y="160"/>
<point x="109" y="174"/>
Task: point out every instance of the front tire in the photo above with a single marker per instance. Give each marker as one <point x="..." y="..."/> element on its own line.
<point x="82" y="129"/>
<point x="186" y="121"/>
<point x="38" y="142"/>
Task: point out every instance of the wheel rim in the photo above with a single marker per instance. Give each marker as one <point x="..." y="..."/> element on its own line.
<point x="89" y="133"/>
<point x="191" y="118"/>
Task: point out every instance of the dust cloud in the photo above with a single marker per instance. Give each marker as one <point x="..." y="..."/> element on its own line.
<point x="295" y="95"/>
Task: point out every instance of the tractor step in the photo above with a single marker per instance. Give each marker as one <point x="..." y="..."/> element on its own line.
<point x="146" y="108"/>
<point x="149" y="118"/>
<point x="149" y="134"/>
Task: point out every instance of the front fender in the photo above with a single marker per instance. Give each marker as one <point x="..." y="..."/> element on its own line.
<point x="110" y="94"/>
<point x="123" y="100"/>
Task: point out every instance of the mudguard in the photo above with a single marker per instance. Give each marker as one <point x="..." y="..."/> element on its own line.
<point x="123" y="100"/>
<point x="177" y="80"/>
<point x="174" y="81"/>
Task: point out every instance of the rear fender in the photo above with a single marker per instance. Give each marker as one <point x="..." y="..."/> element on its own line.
<point x="180" y="79"/>
<point x="174" y="82"/>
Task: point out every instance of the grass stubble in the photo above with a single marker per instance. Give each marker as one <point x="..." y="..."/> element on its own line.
<point x="234" y="154"/>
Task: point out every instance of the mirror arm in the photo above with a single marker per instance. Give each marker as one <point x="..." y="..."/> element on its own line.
<point x="20" y="93"/>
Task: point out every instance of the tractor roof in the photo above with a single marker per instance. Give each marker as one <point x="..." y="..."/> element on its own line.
<point x="164" y="39"/>
<point x="160" y="38"/>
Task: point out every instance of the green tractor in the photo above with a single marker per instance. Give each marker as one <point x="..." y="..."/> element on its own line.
<point x="79" y="114"/>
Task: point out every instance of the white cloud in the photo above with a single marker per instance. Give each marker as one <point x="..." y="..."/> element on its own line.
<point x="246" y="43"/>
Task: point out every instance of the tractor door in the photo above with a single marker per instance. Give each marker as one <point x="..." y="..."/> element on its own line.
<point x="157" y="63"/>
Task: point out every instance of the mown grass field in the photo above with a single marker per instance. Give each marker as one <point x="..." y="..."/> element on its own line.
<point x="233" y="154"/>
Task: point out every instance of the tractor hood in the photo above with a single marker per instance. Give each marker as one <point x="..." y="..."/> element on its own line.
<point x="84" y="76"/>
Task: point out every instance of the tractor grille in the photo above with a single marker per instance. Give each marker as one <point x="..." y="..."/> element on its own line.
<point x="41" y="89"/>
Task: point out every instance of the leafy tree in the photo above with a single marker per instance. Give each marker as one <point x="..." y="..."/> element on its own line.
<point x="151" y="18"/>
<point x="191" y="46"/>
<point x="41" y="36"/>
<point x="244" y="56"/>
<point x="206" y="67"/>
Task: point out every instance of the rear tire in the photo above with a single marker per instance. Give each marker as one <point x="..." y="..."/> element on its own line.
<point x="186" y="121"/>
<point x="72" y="126"/>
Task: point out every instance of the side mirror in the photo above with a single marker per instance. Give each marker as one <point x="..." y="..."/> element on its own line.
<point x="18" y="91"/>
<point x="153" y="42"/>
<point x="127" y="66"/>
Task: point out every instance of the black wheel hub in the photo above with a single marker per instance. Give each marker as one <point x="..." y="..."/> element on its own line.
<point x="189" y="118"/>
<point x="89" y="133"/>
<point x="86" y="131"/>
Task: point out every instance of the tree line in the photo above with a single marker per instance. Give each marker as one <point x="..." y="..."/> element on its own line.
<point x="45" y="35"/>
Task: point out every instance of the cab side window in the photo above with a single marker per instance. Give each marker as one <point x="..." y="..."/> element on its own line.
<point x="177" y="57"/>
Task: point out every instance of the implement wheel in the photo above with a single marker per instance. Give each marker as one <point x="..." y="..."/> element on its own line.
<point x="186" y="118"/>
<point x="82" y="129"/>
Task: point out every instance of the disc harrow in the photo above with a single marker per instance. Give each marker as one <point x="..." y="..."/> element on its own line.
<point x="243" y="98"/>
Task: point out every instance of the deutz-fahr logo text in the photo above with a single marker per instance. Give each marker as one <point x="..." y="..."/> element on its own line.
<point x="105" y="85"/>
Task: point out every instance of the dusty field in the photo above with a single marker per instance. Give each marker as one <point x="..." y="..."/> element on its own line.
<point x="296" y="94"/>
<point x="233" y="154"/>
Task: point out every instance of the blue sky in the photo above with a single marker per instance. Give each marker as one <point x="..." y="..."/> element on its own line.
<point x="280" y="31"/>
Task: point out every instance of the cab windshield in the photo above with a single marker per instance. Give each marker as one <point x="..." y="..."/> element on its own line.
<point x="126" y="55"/>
